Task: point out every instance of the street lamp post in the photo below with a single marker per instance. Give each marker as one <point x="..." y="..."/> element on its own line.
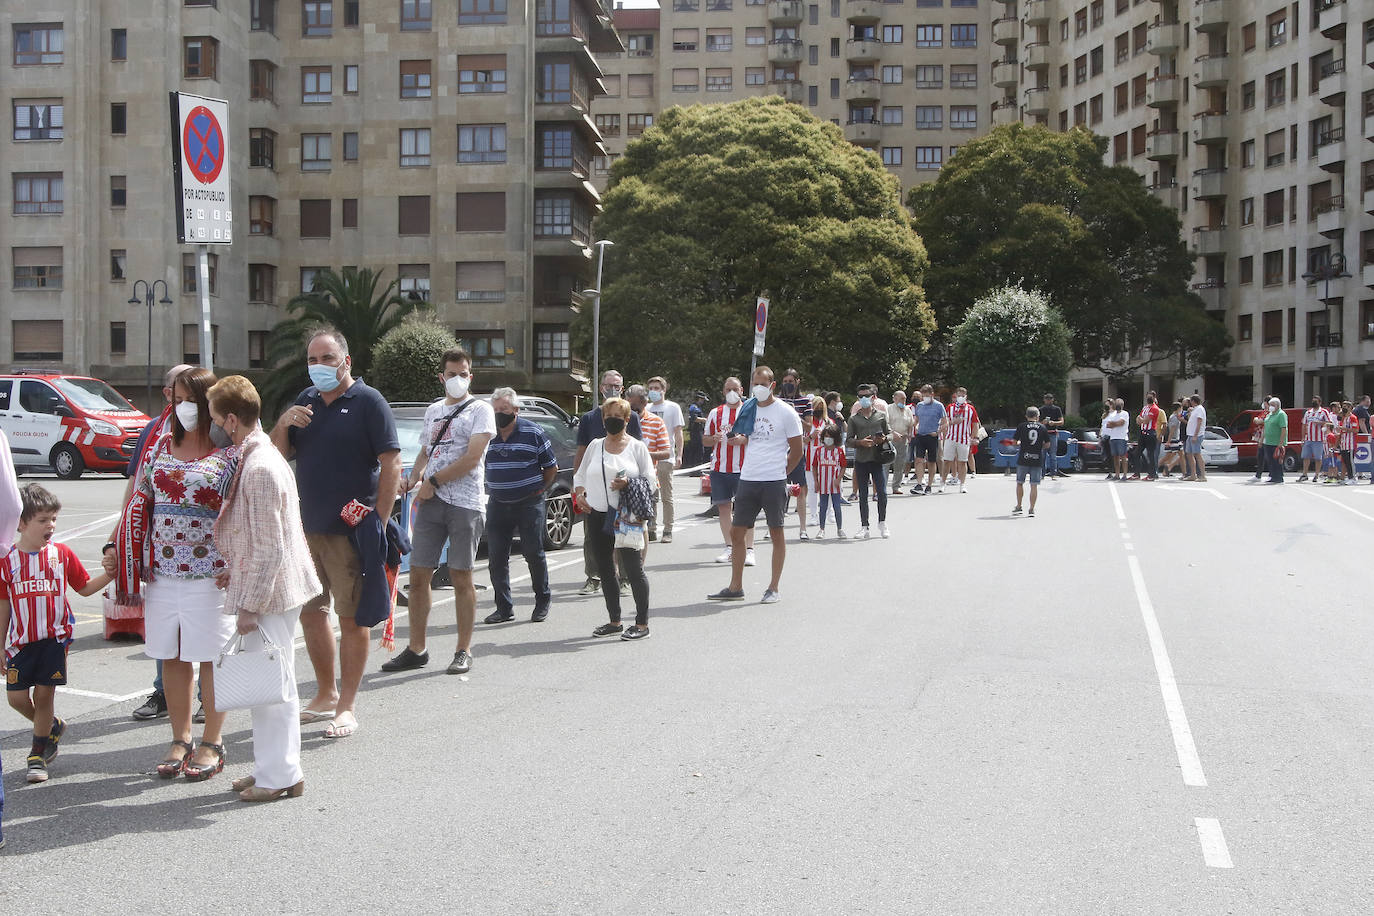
<point x="1331" y="269"/>
<point x="148" y="299"/>
<point x="601" y="247"/>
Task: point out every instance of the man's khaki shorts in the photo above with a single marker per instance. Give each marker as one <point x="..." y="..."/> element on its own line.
<point x="336" y="562"/>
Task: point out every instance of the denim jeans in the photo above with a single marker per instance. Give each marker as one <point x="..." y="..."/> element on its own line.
<point x="864" y="471"/>
<point x="1052" y="453"/>
<point x="504" y="522"/>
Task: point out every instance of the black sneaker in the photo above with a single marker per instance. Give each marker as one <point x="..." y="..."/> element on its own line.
<point x="462" y="662"/>
<point x="406" y="660"/>
<point x="635" y="633"/>
<point x="499" y="617"/>
<point x="59" y="728"/>
<point x="540" y="615"/>
<point x="1016" y="510"/>
<point x="726" y="595"/>
<point x="608" y="629"/>
<point x="199" y="717"/>
<point x="155" y="707"/>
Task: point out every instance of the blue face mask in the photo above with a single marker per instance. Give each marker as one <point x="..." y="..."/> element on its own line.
<point x="655" y="396"/>
<point x="325" y="378"/>
<point x="865" y="402"/>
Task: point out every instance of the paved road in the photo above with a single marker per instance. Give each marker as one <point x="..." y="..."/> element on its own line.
<point x="1096" y="710"/>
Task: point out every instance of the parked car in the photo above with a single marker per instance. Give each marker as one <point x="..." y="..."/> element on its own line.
<point x="68" y="423"/>
<point x="1002" y="449"/>
<point x="1090" y="455"/>
<point x="1241" y="431"/>
<point x="1218" y="450"/>
<point x="558" y="514"/>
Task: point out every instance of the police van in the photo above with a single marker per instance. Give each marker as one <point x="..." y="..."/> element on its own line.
<point x="68" y="423"/>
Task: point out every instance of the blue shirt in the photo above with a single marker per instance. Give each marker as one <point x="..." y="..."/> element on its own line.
<point x="515" y="466"/>
<point x="337" y="454"/>
<point x="928" y="417"/>
<point x="591" y="426"/>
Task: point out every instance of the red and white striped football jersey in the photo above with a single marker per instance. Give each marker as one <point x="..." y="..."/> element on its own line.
<point x="727" y="459"/>
<point x="1313" y="420"/>
<point x="1349" y="427"/>
<point x="962" y="417"/>
<point x="827" y="466"/>
<point x="35" y="584"/>
<point x="811" y="431"/>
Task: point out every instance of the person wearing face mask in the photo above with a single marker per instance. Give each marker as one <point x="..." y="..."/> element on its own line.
<point x="450" y="509"/>
<point x="727" y="458"/>
<point x="342" y="436"/>
<point x="520" y="469"/>
<point x="268" y="577"/>
<point x="868" y="430"/>
<point x="1314" y="421"/>
<point x="899" y="421"/>
<point x="1275" y="439"/>
<point x="929" y="415"/>
<point x="789" y="392"/>
<point x="170" y="520"/>
<point x="958" y="431"/>
<point x="671" y="415"/>
<point x="827" y="465"/>
<point x="590" y="427"/>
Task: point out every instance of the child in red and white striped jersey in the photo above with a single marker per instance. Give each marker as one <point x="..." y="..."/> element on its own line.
<point x="827" y="467"/>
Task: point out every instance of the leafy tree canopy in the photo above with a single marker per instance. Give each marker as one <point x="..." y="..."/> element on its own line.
<point x="718" y="203"/>
<point x="1038" y="207"/>
<point x="1011" y="348"/>
<point x="405" y="363"/>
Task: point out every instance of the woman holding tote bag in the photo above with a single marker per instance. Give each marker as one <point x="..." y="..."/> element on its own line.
<point x="270" y="576"/>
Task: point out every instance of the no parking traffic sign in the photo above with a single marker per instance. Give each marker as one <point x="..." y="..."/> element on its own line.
<point x="200" y="159"/>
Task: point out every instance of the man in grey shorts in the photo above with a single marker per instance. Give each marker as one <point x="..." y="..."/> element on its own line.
<point x="450" y="506"/>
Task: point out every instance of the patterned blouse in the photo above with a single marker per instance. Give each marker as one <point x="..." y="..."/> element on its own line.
<point x="186" y="501"/>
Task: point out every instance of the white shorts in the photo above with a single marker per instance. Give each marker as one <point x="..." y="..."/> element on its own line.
<point x="183" y="618"/>
<point x="955" y="451"/>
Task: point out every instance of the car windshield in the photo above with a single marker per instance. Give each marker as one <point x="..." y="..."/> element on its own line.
<point x="408" y="430"/>
<point x="92" y="394"/>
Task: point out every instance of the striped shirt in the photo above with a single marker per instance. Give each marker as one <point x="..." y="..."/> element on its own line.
<point x="1150" y="418"/>
<point x="1313" y="419"/>
<point x="827" y="466"/>
<point x="35" y="584"/>
<point x="811" y="437"/>
<point x="654" y="434"/>
<point x="515" y="466"/>
<point x="961" y="420"/>
<point x="1349" y="427"/>
<point x="725" y="459"/>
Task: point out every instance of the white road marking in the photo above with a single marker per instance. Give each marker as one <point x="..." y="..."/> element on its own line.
<point x="97" y="695"/>
<point x="1337" y="503"/>
<point x="1217" y="493"/>
<point x="77" y="533"/>
<point x="1116" y="502"/>
<point x="1214" y="851"/>
<point x="1188" y="761"/>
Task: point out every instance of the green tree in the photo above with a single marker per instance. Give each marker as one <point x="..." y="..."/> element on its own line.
<point x="350" y="301"/>
<point x="718" y="203"/>
<point x="1011" y="348"/>
<point x="1033" y="206"/>
<point x="405" y="363"/>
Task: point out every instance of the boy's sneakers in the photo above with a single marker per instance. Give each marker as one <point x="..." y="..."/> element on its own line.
<point x="59" y="728"/>
<point x="153" y="708"/>
<point x="863" y="533"/>
<point x="749" y="557"/>
<point x="820" y="534"/>
<point x="1016" y="510"/>
<point x="882" y="530"/>
<point x="38" y="768"/>
<point x="725" y="555"/>
<point x="839" y="533"/>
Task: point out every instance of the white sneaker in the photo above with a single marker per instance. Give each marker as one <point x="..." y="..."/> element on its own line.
<point x="863" y="533"/>
<point x="725" y="556"/>
<point x="839" y="533"/>
<point x="770" y="597"/>
<point x="820" y="533"/>
<point x="813" y="521"/>
<point x="963" y="489"/>
<point x="949" y="481"/>
<point x="882" y="530"/>
<point x="749" y="557"/>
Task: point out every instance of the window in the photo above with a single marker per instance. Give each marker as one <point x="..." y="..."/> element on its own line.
<point x="350" y="13"/>
<point x="892" y="114"/>
<point x="350" y="146"/>
<point x="755" y="76"/>
<point x="930" y="117"/>
<point x="931" y="76"/>
<point x="1247" y="211"/>
<point x="1273" y="268"/>
<point x="119" y="264"/>
<point x="962" y="36"/>
<point x="1247" y="269"/>
<point x="37" y="193"/>
<point x="892" y="74"/>
<point x="1247" y="36"/>
<point x="720" y="39"/>
<point x="1096" y="12"/>
<point x="1273" y="208"/>
<point x="416" y="15"/>
<point x="415" y="79"/>
<point x="892" y="155"/>
<point x="262" y="215"/>
<point x="37" y="268"/>
<point x="1273" y="149"/>
<point x="487" y="142"/>
<point x="316" y="154"/>
<point x="257" y="349"/>
<point x="551" y="348"/>
<point x="481" y="12"/>
<point x="963" y="76"/>
<point x="317" y="18"/>
<point x="262" y="80"/>
<point x="1275" y="89"/>
<point x="37" y="340"/>
<point x="1080" y="69"/>
<point x="119" y="44"/>
<point x="1095" y="110"/>
<point x="1245" y="327"/>
<point x="686" y="79"/>
<point x="929" y="157"/>
<point x="640" y="85"/>
<point x="262" y="283"/>
<point x="608" y="125"/>
<point x="1095" y="61"/>
<point x="119" y="196"/>
<point x="1123" y="47"/>
<point x="119" y="338"/>
<point x="308" y="275"/>
<point x="350" y="79"/>
<point x="930" y="36"/>
<point x="1063" y="75"/>
<point x="1272" y="328"/>
<point x="1122" y="98"/>
<point x="262" y="145"/>
<point x="1277" y="26"/>
<point x="481" y="281"/>
<point x="1247" y="95"/>
<point x="559" y="215"/>
<point x="686" y="39"/>
<point x="834" y="47"/>
<point x="119" y="118"/>
<point x="640" y="45"/>
<point x="37" y="44"/>
<point x="349" y="215"/>
<point x="481" y="211"/>
<point x="190" y="343"/>
<point x="414" y="146"/>
<point x="813" y="55"/>
<point x="37" y="119"/>
<point x="487" y="348"/>
<point x="316" y="218"/>
<point x="1247" y="154"/>
<point x="414" y="281"/>
<point x="963" y="117"/>
<point x="317" y="85"/>
<point x="558" y="150"/>
<point x="1080" y="114"/>
<point x="1080" y="23"/>
<point x="263" y="16"/>
<point x="190" y="273"/>
<point x="636" y="124"/>
<point x="481" y="73"/>
<point x="719" y="79"/>
<point x="892" y="34"/>
<point x="199" y="58"/>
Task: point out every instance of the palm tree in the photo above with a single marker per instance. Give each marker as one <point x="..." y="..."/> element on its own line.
<point x="351" y="303"/>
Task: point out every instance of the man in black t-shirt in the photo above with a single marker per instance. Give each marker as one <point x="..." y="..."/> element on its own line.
<point x="1052" y="415"/>
<point x="1031" y="437"/>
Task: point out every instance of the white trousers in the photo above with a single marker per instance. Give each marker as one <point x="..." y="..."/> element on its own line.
<point x="277" y="728"/>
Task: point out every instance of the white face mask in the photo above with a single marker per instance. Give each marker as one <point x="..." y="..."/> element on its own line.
<point x="732" y="396"/>
<point x="188" y="414"/>
<point x="457" y="386"/>
<point x="960" y="399"/>
<point x="761" y="392"/>
<point x="926" y="400"/>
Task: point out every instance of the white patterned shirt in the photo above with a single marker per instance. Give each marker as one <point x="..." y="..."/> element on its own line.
<point x="467" y="491"/>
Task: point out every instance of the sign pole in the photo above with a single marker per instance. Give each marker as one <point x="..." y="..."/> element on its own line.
<point x="207" y="337"/>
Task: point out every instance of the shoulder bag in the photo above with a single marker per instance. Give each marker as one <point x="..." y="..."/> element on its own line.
<point x="245" y="678"/>
<point x="607" y="523"/>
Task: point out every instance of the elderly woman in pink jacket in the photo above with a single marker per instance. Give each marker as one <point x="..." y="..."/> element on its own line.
<point x="270" y="576"/>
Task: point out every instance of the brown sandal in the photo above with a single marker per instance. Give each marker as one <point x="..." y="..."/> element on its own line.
<point x="170" y="769"/>
<point x="197" y="773"/>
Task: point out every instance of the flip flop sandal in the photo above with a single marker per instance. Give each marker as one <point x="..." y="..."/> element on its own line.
<point x="335" y="730"/>
<point x="311" y="716"/>
<point x="170" y="769"/>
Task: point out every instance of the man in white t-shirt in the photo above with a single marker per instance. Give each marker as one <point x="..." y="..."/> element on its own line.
<point x="1192" y="440"/>
<point x="775" y="444"/>
<point x="1118" y="426"/>
<point x="671" y="415"/>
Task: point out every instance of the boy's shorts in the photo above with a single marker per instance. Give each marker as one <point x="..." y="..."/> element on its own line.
<point x="37" y="664"/>
<point x="1034" y="474"/>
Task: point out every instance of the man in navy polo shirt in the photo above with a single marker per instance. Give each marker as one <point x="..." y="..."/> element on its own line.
<point x="590" y="427"/>
<point x="520" y="468"/>
<point x="342" y="436"/>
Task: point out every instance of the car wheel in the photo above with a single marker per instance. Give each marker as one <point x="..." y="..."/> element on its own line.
<point x="1077" y="465"/>
<point x="1290" y="462"/>
<point x="558" y="522"/>
<point x="67" y="462"/>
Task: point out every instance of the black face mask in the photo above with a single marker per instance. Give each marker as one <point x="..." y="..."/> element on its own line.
<point x="818" y="414"/>
<point x="789" y="389"/>
<point x="615" y="426"/>
<point x="504" y="419"/>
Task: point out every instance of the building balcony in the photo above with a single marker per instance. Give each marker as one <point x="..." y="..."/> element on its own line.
<point x="1369" y="122"/>
<point x="1209" y="241"/>
<point x="791" y="90"/>
<point x="863" y="90"/>
<point x="1212" y="71"/>
<point x="862" y="50"/>
<point x="863" y="10"/>
<point x="1006" y="74"/>
<point x="1006" y="31"/>
<point x="1164" y="38"/>
<point x="1331" y="17"/>
<point x="784" y="51"/>
<point x="1331" y="216"/>
<point x="1169" y="194"/>
<point x="1211" y="15"/>
<point x="1006" y="111"/>
<point x="1038" y="101"/>
<point x="1163" y="144"/>
<point x="1367" y="274"/>
<point x="1212" y="293"/>
<point x="1369" y="193"/>
<point x="863" y="132"/>
<point x="1037" y="12"/>
<point x="1163" y="91"/>
<point x="1209" y="184"/>
<point x="786" y="12"/>
<point x="1037" y="55"/>
<point x="1331" y="83"/>
<point x="1210" y="127"/>
<point x="1331" y="150"/>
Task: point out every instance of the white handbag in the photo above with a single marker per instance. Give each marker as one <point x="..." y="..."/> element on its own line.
<point x="245" y="677"/>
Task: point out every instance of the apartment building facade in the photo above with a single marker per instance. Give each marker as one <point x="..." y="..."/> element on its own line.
<point x="447" y="144"/>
